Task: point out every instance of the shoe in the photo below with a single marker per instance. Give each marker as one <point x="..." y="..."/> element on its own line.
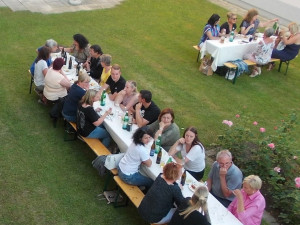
<point x="271" y="66"/>
<point x="40" y="101"/>
<point x="254" y="74"/>
<point x="258" y="70"/>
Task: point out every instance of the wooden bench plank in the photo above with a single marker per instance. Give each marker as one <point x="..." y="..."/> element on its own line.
<point x="133" y="192"/>
<point x="94" y="143"/>
<point x="196" y="47"/>
<point x="274" y="60"/>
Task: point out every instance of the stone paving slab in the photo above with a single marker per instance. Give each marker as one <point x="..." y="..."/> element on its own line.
<point x="57" y="6"/>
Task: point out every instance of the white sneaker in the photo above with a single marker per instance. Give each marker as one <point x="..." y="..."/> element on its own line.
<point x="254" y="74"/>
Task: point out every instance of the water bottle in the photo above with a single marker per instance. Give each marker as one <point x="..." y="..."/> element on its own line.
<point x="157" y="144"/>
<point x="125" y="121"/>
<point x="103" y="97"/>
<point x="231" y="36"/>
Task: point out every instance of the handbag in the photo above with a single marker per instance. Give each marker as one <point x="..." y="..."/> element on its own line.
<point x="205" y="66"/>
<point x="112" y="161"/>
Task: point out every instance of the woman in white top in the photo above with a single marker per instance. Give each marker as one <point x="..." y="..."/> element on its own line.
<point x="56" y="82"/>
<point x="41" y="68"/>
<point x="136" y="155"/>
<point x="189" y="151"/>
<point x="127" y="97"/>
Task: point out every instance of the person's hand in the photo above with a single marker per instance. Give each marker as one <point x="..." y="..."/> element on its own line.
<point x="138" y="107"/>
<point x="109" y="111"/>
<point x="181" y="141"/>
<point x="98" y="109"/>
<point x="237" y="193"/>
<point x="161" y="125"/>
<point x="223" y="171"/>
<point x="252" y="25"/>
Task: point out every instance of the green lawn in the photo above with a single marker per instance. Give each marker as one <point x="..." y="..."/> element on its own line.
<point x="44" y="180"/>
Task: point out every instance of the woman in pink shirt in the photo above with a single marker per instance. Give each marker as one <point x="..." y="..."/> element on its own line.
<point x="249" y="204"/>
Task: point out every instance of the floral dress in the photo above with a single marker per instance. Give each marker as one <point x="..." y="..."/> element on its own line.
<point x="263" y="52"/>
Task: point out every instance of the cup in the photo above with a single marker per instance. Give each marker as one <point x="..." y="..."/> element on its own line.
<point x="129" y="127"/>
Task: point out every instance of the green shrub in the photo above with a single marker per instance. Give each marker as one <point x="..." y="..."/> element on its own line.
<point x="269" y="154"/>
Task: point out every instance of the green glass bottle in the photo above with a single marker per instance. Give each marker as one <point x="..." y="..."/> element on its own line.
<point x="125" y="121"/>
<point x="157" y="144"/>
<point x="103" y="98"/>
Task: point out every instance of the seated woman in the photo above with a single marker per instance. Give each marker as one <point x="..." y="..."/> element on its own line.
<point x="166" y="127"/>
<point x="249" y="204"/>
<point x="262" y="54"/>
<point x="105" y="61"/>
<point x="292" y="45"/>
<point x="127" y="97"/>
<point x="250" y="22"/>
<point x="88" y="120"/>
<point x="56" y="82"/>
<point x="41" y="68"/>
<point x="193" y="211"/>
<point x="230" y="25"/>
<point x="76" y="92"/>
<point x="211" y="30"/>
<point x="157" y="205"/>
<point x="52" y="45"/>
<point x="80" y="48"/>
<point x="192" y="153"/>
<point x="136" y="155"/>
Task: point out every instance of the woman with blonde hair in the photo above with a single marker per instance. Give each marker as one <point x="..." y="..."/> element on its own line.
<point x="193" y="211"/>
<point x="89" y="123"/>
<point x="230" y="25"/>
<point x="249" y="204"/>
<point x="76" y="92"/>
<point x="129" y="96"/>
<point x="250" y="22"/>
<point x="292" y="45"/>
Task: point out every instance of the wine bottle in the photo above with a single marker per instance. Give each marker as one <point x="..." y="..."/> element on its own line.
<point x="183" y="178"/>
<point x="159" y="155"/>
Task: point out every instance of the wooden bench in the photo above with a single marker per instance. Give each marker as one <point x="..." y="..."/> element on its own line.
<point x="132" y="192"/>
<point x="94" y="143"/>
<point x="232" y="66"/>
<point x="196" y="47"/>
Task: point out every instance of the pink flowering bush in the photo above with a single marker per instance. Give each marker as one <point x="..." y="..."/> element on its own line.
<point x="268" y="153"/>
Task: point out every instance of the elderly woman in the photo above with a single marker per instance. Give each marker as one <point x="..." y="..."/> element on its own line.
<point x="127" y="97"/>
<point x="80" y="48"/>
<point x="52" y="45"/>
<point x="76" y="92"/>
<point x="165" y="127"/>
<point x="136" y="155"/>
<point x="41" y="68"/>
<point x="193" y="211"/>
<point x="211" y="30"/>
<point x="189" y="151"/>
<point x="105" y="61"/>
<point x="230" y="25"/>
<point x="56" y="82"/>
<point x="263" y="52"/>
<point x="292" y="45"/>
<point x="157" y="205"/>
<point x="250" y="22"/>
<point x="88" y="120"/>
<point x="249" y="204"/>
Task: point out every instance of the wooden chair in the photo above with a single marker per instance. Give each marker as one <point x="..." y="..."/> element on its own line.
<point x="196" y="47"/>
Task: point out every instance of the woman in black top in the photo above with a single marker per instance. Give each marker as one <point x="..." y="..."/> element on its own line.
<point x="157" y="205"/>
<point x="88" y="120"/>
<point x="192" y="210"/>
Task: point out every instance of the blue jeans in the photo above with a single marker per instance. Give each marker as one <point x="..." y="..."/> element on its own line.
<point x="101" y="134"/>
<point x="69" y="118"/>
<point x="136" y="179"/>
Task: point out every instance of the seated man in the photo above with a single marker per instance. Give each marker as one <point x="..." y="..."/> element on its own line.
<point x="115" y="82"/>
<point x="94" y="66"/>
<point x="146" y="111"/>
<point x="224" y="177"/>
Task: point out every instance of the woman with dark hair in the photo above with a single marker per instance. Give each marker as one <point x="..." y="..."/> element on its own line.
<point x="158" y="204"/>
<point x="166" y="127"/>
<point x="136" y="155"/>
<point x="189" y="151"/>
<point x="89" y="123"/>
<point x="80" y="48"/>
<point x="193" y="211"/>
<point x="41" y="68"/>
<point x="250" y="22"/>
<point x="211" y="30"/>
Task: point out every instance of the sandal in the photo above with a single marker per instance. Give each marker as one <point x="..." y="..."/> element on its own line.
<point x="271" y="66"/>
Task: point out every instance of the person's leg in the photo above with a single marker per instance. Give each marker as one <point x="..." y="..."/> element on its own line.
<point x="168" y="217"/>
<point x="101" y="134"/>
<point x="136" y="179"/>
<point x="69" y="118"/>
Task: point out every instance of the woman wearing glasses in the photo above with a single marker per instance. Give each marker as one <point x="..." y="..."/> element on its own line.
<point x="230" y="25"/>
<point x="157" y="205"/>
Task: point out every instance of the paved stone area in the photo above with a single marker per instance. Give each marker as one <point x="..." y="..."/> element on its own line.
<point x="57" y="6"/>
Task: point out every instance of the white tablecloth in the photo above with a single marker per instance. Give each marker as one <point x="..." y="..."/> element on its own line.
<point x="228" y="51"/>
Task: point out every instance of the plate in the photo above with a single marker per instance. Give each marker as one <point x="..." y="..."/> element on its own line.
<point x="193" y="187"/>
